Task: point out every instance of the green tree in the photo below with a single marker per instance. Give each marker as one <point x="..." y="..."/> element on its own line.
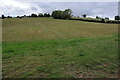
<point x="67" y="14"/>
<point x="57" y="14"/>
<point x="46" y="15"/>
<point x="40" y="15"/>
<point x="3" y="16"/>
<point x="9" y="16"/>
<point x="103" y="20"/>
<point x="97" y="17"/>
<point x="84" y="15"/>
<point x="18" y="16"/>
<point x="117" y="17"/>
<point x="106" y="18"/>
<point x="33" y="15"/>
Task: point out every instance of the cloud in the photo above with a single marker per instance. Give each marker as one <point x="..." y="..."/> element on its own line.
<point x="14" y="8"/>
<point x="18" y="7"/>
<point x="14" y="3"/>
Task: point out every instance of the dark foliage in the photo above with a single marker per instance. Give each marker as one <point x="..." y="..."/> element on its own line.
<point x="33" y="15"/>
<point x="3" y="17"/>
<point x="117" y="17"/>
<point x="40" y="15"/>
<point x="106" y="18"/>
<point x="58" y="14"/>
<point x="46" y="15"/>
<point x="97" y="17"/>
<point x="84" y="15"/>
<point x="9" y="16"/>
<point x="99" y="21"/>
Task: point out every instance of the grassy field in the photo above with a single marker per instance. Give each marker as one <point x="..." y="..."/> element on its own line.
<point x="52" y="48"/>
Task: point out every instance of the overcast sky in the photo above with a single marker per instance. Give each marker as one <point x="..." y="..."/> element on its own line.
<point x="18" y="7"/>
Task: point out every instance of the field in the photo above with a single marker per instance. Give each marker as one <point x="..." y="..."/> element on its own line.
<point x="53" y="48"/>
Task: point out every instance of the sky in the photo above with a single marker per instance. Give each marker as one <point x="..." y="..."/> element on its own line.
<point x="92" y="9"/>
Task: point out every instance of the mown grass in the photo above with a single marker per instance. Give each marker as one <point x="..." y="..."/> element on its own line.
<point x="48" y="48"/>
<point x="29" y="29"/>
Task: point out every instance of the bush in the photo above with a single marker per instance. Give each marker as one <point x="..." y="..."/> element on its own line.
<point x="117" y="17"/>
<point x="58" y="14"/>
<point x="33" y="15"/>
<point x="40" y="15"/>
<point x="3" y="16"/>
<point x="96" y="20"/>
<point x="46" y="15"/>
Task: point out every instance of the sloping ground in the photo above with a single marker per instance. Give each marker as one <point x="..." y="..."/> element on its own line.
<point x="29" y="29"/>
<point x="49" y="48"/>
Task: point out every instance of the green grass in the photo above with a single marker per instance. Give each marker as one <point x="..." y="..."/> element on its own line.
<point x="50" y="48"/>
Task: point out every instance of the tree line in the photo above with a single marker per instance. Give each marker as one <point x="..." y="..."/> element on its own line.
<point x="59" y="14"/>
<point x="32" y="15"/>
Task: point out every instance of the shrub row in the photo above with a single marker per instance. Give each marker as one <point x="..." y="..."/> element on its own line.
<point x="97" y="20"/>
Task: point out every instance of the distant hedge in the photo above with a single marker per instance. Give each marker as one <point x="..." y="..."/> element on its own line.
<point x="96" y="20"/>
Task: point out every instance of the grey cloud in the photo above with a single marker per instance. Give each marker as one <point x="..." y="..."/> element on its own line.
<point x="33" y="8"/>
<point x="104" y="9"/>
